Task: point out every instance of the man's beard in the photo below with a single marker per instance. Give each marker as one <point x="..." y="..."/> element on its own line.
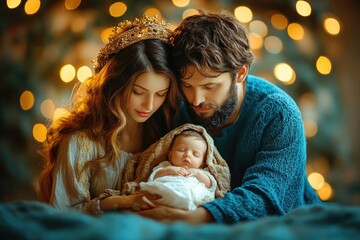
<point x="221" y="115"/>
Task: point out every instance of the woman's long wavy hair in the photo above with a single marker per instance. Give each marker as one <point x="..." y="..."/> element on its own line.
<point x="98" y="107"/>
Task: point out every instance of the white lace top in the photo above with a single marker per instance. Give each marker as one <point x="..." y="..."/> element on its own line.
<point x="81" y="191"/>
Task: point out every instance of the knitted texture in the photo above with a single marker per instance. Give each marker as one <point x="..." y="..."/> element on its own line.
<point x="265" y="149"/>
<point x="139" y="167"/>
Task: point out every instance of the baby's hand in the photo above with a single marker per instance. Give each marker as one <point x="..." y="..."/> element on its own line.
<point x="191" y="172"/>
<point x="177" y="171"/>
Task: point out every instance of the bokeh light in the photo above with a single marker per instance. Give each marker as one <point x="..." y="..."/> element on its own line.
<point x="316" y="180"/>
<point x="332" y="26"/>
<point x="189" y="12"/>
<point x="323" y="65"/>
<point x="303" y="8"/>
<point x="326" y="192"/>
<point x="273" y="44"/>
<point x="67" y="73"/>
<point x="117" y="9"/>
<point x="152" y="12"/>
<point x="39" y="132"/>
<point x="13" y="3"/>
<point x="311" y="127"/>
<point x="256" y="41"/>
<point x="83" y="73"/>
<point x="105" y="34"/>
<point x="181" y="3"/>
<point x="295" y="31"/>
<point x="279" y="21"/>
<point x="284" y="73"/>
<point x="243" y="14"/>
<point x="259" y="28"/>
<point x="32" y="6"/>
<point x="72" y="4"/>
<point x="27" y="100"/>
<point x="47" y="108"/>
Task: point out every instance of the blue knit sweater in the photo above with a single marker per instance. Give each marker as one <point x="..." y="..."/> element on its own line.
<point x="266" y="152"/>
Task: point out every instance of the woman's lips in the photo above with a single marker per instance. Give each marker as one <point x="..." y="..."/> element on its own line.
<point x="143" y="114"/>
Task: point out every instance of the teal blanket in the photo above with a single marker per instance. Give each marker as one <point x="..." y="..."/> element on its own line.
<point x="34" y="220"/>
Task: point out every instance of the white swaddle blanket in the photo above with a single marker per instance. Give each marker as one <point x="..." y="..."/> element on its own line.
<point x="179" y="192"/>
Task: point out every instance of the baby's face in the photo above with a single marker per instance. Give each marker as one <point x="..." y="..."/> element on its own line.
<point x="188" y="152"/>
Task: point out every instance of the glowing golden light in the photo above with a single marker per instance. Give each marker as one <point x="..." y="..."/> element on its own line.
<point x="256" y="41"/>
<point x="243" y="14"/>
<point x="316" y="180"/>
<point x="311" y="127"/>
<point x="13" y="3"/>
<point x="189" y="12"/>
<point x="323" y="65"/>
<point x="279" y="21"/>
<point x="72" y="4"/>
<point x="47" y="108"/>
<point x="181" y="3"/>
<point x="332" y="26"/>
<point x="105" y="34"/>
<point x="273" y="44"/>
<point x="26" y="100"/>
<point x="117" y="9"/>
<point x="303" y="8"/>
<point x="67" y="73"/>
<point x="59" y="112"/>
<point x="32" y="6"/>
<point x="78" y="24"/>
<point x="284" y="73"/>
<point x="39" y="132"/>
<point x="259" y="28"/>
<point x="326" y="192"/>
<point x="83" y="73"/>
<point x="152" y="12"/>
<point x="295" y="31"/>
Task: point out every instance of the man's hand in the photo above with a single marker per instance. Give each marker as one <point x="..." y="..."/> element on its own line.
<point x="168" y="214"/>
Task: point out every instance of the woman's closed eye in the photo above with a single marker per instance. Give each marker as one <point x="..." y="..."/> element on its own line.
<point x="162" y="94"/>
<point x="138" y="92"/>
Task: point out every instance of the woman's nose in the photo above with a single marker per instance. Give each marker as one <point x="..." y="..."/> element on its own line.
<point x="148" y="103"/>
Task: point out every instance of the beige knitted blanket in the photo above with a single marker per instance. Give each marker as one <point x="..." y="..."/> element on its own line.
<point x="139" y="167"/>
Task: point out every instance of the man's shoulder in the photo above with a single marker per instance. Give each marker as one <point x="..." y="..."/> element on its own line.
<point x="266" y="90"/>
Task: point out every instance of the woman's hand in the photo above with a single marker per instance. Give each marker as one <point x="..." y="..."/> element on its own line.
<point x="142" y="201"/>
<point x="135" y="202"/>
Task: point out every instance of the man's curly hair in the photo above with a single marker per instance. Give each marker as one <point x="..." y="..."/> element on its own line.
<point x="211" y="41"/>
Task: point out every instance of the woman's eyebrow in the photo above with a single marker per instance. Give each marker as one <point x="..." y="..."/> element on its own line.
<point x="148" y="89"/>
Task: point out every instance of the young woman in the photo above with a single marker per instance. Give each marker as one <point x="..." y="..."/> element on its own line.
<point x="121" y="110"/>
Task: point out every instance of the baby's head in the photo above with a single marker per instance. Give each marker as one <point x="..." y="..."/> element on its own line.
<point x="188" y="150"/>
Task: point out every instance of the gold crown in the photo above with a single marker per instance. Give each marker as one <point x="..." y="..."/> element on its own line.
<point x="127" y="33"/>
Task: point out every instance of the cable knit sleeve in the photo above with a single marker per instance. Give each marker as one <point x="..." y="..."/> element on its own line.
<point x="70" y="185"/>
<point x="274" y="178"/>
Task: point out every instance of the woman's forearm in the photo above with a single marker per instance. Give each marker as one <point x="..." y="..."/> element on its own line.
<point x="115" y="203"/>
